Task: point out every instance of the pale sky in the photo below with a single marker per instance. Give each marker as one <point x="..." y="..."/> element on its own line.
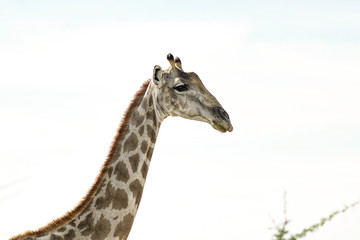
<point x="286" y="72"/>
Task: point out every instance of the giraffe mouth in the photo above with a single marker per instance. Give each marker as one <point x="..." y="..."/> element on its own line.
<point x="221" y="127"/>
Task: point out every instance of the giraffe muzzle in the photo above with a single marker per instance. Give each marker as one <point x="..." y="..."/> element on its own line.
<point x="222" y="120"/>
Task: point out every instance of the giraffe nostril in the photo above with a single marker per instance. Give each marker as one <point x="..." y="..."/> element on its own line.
<point x="223" y="114"/>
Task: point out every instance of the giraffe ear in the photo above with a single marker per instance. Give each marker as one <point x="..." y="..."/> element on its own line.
<point x="156" y="75"/>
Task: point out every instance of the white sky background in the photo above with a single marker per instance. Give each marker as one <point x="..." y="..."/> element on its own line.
<point x="287" y="74"/>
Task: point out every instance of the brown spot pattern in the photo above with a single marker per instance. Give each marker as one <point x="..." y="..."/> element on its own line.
<point x="134" y="162"/>
<point x="150" y="101"/>
<point x="70" y="235"/>
<point x="117" y="153"/>
<point x="136" y="188"/>
<point x="144" y="103"/>
<point x="131" y="143"/>
<point x="102" y="203"/>
<point x="137" y="119"/>
<point x="120" y="199"/>
<point x="144" y="146"/>
<point x="150" y="115"/>
<point x="62" y="229"/>
<point x="87" y="225"/>
<point x="151" y="133"/>
<point x="123" y="228"/>
<point x="55" y="237"/>
<point x="141" y="130"/>
<point x="110" y="171"/>
<point x="144" y="169"/>
<point x="149" y="153"/>
<point x="134" y="117"/>
<point x="102" y="229"/>
<point x="121" y="172"/>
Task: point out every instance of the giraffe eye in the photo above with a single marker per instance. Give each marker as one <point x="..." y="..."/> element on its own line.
<point x="181" y="88"/>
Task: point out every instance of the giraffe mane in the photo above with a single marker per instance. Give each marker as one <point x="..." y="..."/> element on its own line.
<point x="70" y="215"/>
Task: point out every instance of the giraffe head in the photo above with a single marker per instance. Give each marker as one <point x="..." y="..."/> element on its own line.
<point x="179" y="93"/>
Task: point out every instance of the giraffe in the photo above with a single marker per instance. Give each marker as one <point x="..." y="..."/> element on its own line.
<point x="109" y="208"/>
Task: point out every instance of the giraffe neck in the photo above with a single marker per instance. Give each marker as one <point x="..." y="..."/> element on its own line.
<point x="115" y="204"/>
<point x="108" y="210"/>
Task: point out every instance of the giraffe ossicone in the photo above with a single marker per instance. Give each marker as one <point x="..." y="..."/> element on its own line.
<point x="109" y="208"/>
